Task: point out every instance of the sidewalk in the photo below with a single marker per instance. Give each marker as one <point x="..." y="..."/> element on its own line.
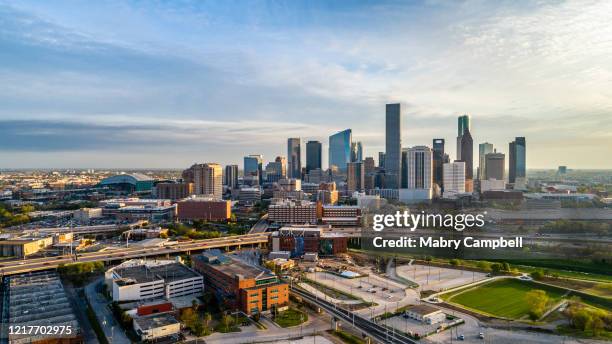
<point x="112" y="330"/>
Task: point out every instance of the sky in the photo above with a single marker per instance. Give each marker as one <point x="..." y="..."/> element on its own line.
<point x="164" y="84"/>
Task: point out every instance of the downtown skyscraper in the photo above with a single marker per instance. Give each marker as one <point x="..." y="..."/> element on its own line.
<point x="439" y="159"/>
<point x="208" y="180"/>
<point x="294" y="158"/>
<point x="393" y="146"/>
<point x="517" y="160"/>
<point x="483" y="150"/>
<point x="340" y="150"/>
<point x="465" y="150"/>
<point x="313" y="155"/>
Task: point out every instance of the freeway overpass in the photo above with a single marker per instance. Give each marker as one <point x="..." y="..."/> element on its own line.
<point x="368" y="327"/>
<point x="27" y="265"/>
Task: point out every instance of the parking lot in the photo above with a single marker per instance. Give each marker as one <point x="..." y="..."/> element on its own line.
<point x="436" y="278"/>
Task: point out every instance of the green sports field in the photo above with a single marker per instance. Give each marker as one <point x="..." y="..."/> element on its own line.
<point x="502" y="298"/>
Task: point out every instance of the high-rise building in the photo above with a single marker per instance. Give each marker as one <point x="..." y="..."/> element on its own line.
<point x="313" y="155"/>
<point x="230" y="177"/>
<point x="294" y="158"/>
<point x="438" y="161"/>
<point x="369" y="165"/>
<point x="355" y="176"/>
<point x="208" y="180"/>
<point x="517" y="161"/>
<point x="340" y="150"/>
<point x="253" y="169"/>
<point x="276" y="170"/>
<point x="404" y="174"/>
<point x="495" y="164"/>
<point x="463" y="124"/>
<point x="393" y="146"/>
<point x="454" y="179"/>
<point x="381" y="159"/>
<point x="420" y="176"/>
<point x="467" y="152"/>
<point x="483" y="150"/>
<point x="356" y="151"/>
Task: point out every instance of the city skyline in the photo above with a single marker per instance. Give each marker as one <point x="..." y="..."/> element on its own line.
<point x="126" y="85"/>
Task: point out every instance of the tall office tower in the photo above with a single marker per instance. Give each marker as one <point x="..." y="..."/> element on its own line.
<point x="381" y="159"/>
<point x="276" y="170"/>
<point x="438" y="161"/>
<point x="393" y="146"/>
<point x="230" y="177"/>
<point x="253" y="169"/>
<point x="356" y="151"/>
<point x="294" y="158"/>
<point x="420" y="174"/>
<point x="187" y="174"/>
<point x="463" y="124"/>
<point x="467" y="152"/>
<point x="313" y="155"/>
<point x="369" y="165"/>
<point x="208" y="180"/>
<point x="483" y="150"/>
<point x="355" y="176"/>
<point x="454" y="179"/>
<point x="340" y="150"/>
<point x="517" y="161"/>
<point x="494" y="166"/>
<point x="404" y="174"/>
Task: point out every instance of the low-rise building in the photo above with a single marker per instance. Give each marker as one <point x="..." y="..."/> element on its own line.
<point x="426" y="314"/>
<point x="84" y="215"/>
<point x="201" y="208"/>
<point x="341" y="215"/>
<point x="139" y="280"/>
<point x="156" y="326"/>
<point x="23" y="246"/>
<point x="38" y="299"/>
<point x="250" y="288"/>
<point x="294" y="212"/>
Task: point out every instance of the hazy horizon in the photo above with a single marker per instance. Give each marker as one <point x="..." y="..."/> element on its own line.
<point x="157" y="84"/>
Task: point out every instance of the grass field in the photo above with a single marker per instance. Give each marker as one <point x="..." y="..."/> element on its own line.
<point x="502" y="298"/>
<point x="290" y="317"/>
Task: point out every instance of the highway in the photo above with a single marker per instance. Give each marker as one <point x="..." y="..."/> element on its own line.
<point x="372" y="329"/>
<point x="135" y="251"/>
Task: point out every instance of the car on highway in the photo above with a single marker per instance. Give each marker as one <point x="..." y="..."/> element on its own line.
<point x="481" y="335"/>
<point x="461" y="337"/>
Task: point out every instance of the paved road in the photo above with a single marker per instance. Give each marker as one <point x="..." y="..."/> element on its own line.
<point x="375" y="331"/>
<point x="261" y="226"/>
<point x="25" y="265"/>
<point x="109" y="325"/>
<point x="316" y="323"/>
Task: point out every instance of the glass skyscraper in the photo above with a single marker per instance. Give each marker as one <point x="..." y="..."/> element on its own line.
<point x="313" y="155"/>
<point x="438" y="161"/>
<point x="393" y="146"/>
<point x="253" y="168"/>
<point x="340" y="149"/>
<point x="483" y="150"/>
<point x="517" y="159"/>
<point x="294" y="158"/>
<point x="463" y="124"/>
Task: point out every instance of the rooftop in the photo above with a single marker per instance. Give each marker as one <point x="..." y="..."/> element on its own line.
<point x="423" y="309"/>
<point x="155" y="321"/>
<point x="143" y="274"/>
<point x="232" y="266"/>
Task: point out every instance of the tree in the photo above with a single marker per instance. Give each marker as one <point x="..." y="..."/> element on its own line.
<point x="484" y="265"/>
<point x="506" y="266"/>
<point x="207" y="319"/>
<point x="537" y="275"/>
<point x="496" y="268"/>
<point x="537" y="300"/>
